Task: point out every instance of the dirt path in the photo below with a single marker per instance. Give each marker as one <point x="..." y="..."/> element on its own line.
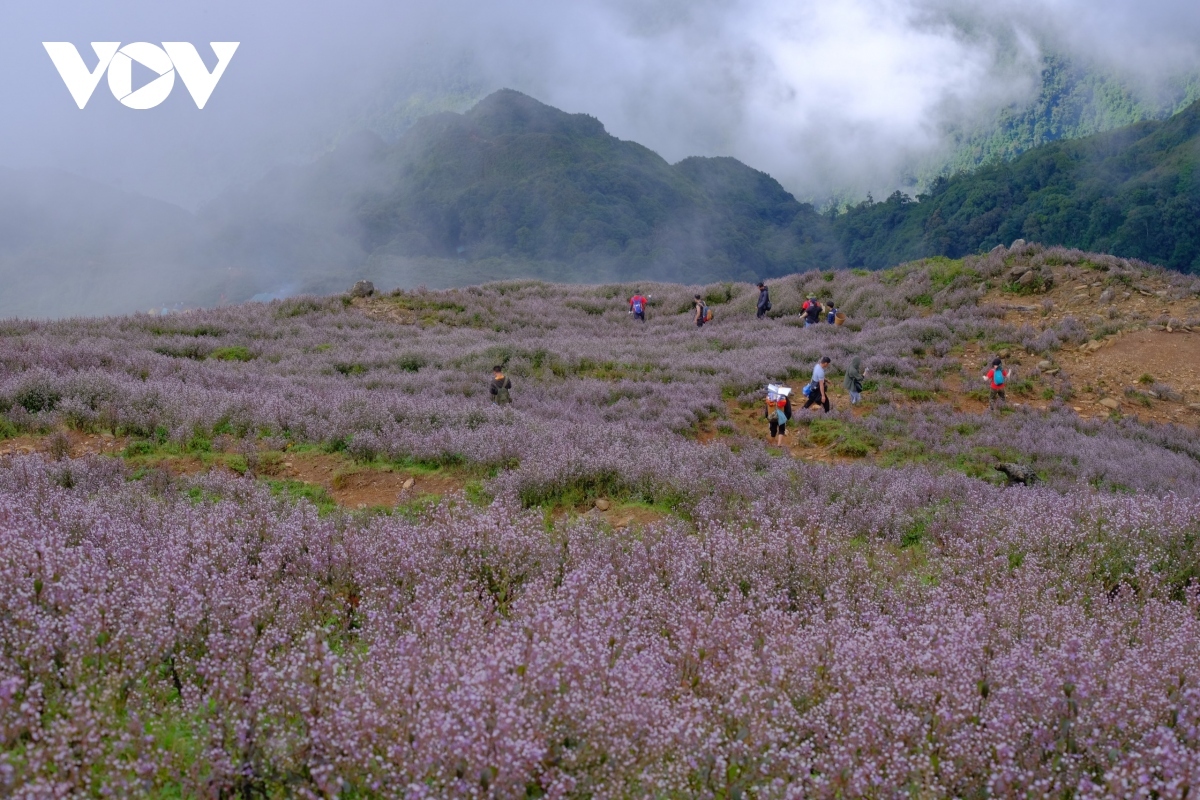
<point x="78" y="444"/>
<point x="617" y="515"/>
<point x="751" y="422"/>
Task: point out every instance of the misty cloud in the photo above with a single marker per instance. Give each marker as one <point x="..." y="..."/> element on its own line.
<point x="828" y="97"/>
<point x="824" y="96"/>
<point x="833" y="99"/>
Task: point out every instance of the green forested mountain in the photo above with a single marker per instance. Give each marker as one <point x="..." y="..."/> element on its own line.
<point x="514" y="188"/>
<point x="1134" y="192"/>
<point x="1073" y="100"/>
<point x="514" y="183"/>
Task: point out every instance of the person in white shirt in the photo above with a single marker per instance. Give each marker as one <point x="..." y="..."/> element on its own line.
<point x="818" y="393"/>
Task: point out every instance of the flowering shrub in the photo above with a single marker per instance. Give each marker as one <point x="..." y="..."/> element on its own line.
<point x="866" y="632"/>
<point x="784" y="630"/>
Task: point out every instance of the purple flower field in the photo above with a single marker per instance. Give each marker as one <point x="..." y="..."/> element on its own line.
<point x="786" y="629"/>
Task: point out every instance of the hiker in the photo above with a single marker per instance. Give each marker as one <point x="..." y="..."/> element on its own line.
<point x="764" y="300"/>
<point x="500" y="387"/>
<point x="702" y="313"/>
<point x="779" y="411"/>
<point x="854" y="380"/>
<point x="997" y="378"/>
<point x="637" y="306"/>
<point x="818" y="389"/>
<point x="832" y="312"/>
<point x="812" y="312"/>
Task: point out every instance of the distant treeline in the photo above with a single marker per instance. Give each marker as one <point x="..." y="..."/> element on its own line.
<point x="1132" y="192"/>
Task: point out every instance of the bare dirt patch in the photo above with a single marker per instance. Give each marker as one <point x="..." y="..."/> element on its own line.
<point x="80" y="444"/>
<point x="1172" y="359"/>
<point x="619" y="516"/>
<point x="1138" y="328"/>
<point x="184" y="465"/>
<point x="359" y="486"/>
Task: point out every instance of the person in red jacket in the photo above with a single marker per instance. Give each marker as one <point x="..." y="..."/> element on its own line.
<point x="637" y="306"/>
<point x="997" y="378"/>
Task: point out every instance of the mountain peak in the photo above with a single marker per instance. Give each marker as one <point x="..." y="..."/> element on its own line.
<point x="508" y="112"/>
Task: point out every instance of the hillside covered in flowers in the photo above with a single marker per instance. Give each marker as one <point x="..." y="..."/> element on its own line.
<point x="292" y="549"/>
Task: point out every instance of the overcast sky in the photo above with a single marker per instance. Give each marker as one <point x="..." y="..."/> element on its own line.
<point x="818" y="93"/>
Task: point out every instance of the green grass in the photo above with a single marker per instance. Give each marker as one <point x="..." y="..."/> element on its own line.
<point x="921" y="395"/>
<point x="1038" y="285"/>
<point x="944" y="271"/>
<point x="1021" y="388"/>
<point x="199" y="495"/>
<point x="844" y="438"/>
<point x="154" y="448"/>
<point x="1139" y="398"/>
<point x="477" y="494"/>
<point x="915" y="533"/>
<point x="717" y="295"/>
<point x="579" y="491"/>
<point x="233" y="353"/>
<point x="417" y="508"/>
<point x="295" y="491"/>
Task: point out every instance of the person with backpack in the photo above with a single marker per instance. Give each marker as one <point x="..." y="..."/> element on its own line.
<point x="812" y="312"/>
<point x="818" y="388"/>
<point x="703" y="315"/>
<point x="764" y="300"/>
<point x="637" y="306"/>
<point x="500" y="387"/>
<point x="854" y="380"/>
<point x="997" y="378"/>
<point x="779" y="411"/>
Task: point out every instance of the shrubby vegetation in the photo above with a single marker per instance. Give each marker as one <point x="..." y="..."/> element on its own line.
<point x="779" y="628"/>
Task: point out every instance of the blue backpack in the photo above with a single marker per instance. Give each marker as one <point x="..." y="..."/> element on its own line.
<point x="998" y="376"/>
<point x="637" y="306"/>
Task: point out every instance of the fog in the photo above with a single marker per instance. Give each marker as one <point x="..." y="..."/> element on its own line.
<point x="820" y="95"/>
<point x="833" y="99"/>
